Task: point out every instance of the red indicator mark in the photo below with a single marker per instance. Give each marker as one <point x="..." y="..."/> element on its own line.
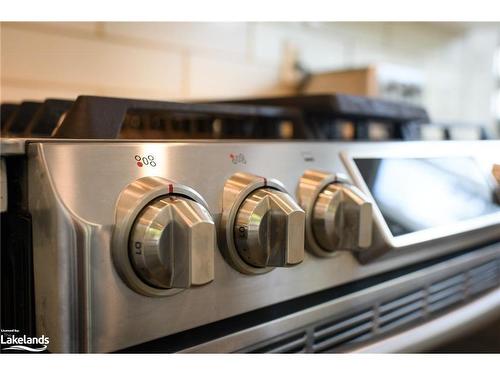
<point x="237" y="158"/>
<point x="139" y="164"/>
<point x="170" y="188"/>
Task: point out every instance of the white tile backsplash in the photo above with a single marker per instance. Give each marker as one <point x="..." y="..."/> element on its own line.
<point x="224" y="37"/>
<point x="61" y="60"/>
<point x="212" y="78"/>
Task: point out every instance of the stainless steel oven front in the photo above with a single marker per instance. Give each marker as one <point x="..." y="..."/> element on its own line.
<point x="134" y="241"/>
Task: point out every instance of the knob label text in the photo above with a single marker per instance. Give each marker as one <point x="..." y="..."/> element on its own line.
<point x="145" y="160"/>
<point x="237" y="158"/>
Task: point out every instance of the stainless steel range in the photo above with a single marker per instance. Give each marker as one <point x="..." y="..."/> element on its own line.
<point x="252" y="246"/>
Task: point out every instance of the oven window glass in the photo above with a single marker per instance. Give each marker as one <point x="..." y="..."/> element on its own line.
<point x="421" y="193"/>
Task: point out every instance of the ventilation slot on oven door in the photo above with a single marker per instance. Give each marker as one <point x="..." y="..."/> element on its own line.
<point x="401" y="311"/>
<point x="394" y="311"/>
<point x="484" y="277"/>
<point x="445" y="293"/>
<point x="346" y="331"/>
<point x="294" y="343"/>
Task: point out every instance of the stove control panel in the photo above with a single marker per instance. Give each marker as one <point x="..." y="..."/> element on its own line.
<point x="339" y="216"/>
<point x="203" y="232"/>
<point x="262" y="226"/>
<point x="165" y="237"/>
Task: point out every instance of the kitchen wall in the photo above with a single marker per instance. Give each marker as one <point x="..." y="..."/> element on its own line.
<point x="176" y="61"/>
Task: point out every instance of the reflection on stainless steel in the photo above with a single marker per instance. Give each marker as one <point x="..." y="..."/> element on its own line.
<point x="496" y="175"/>
<point x="338" y="215"/>
<point x="89" y="297"/>
<point x="262" y="225"/>
<point x="496" y="172"/>
<point x="427" y="151"/>
<point x="420" y="193"/>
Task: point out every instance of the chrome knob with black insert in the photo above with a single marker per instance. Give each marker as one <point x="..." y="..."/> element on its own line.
<point x="164" y="239"/>
<point x="262" y="226"/>
<point x="339" y="216"/>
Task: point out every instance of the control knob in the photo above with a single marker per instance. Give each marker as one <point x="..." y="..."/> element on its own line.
<point x="172" y="242"/>
<point x="339" y="216"/>
<point x="164" y="238"/>
<point x="269" y="229"/>
<point x="263" y="226"/>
